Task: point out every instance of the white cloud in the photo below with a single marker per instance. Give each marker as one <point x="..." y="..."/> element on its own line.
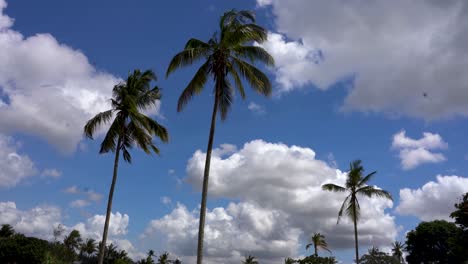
<point x="406" y="57"/>
<point x="166" y="200"/>
<point x="53" y="173"/>
<point x="256" y="108"/>
<point x="72" y="189"/>
<point x="434" y="200"/>
<point x="93" y="196"/>
<point x="51" y="90"/>
<point x="14" y="167"/>
<point x="230" y="233"/>
<point x="414" y="152"/>
<point x="90" y="194"/>
<point x="79" y="203"/>
<point x="272" y="181"/>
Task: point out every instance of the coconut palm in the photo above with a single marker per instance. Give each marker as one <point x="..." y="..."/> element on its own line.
<point x="164" y="258"/>
<point x="318" y="241"/>
<point x="356" y="184"/>
<point x="73" y="240"/>
<point x="397" y="251"/>
<point x="250" y="260"/>
<point x="129" y="127"/>
<point x="89" y="247"/>
<point x="227" y="57"/>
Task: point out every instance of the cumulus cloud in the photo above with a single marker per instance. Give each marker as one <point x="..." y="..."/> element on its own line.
<point x="89" y="194"/>
<point x="79" y="203"/>
<point x="44" y="83"/>
<point x="40" y="221"/>
<point x="399" y="57"/>
<point x="414" y="152"/>
<point x="434" y="200"/>
<point x="256" y="108"/>
<point x="14" y="167"/>
<point x="53" y="173"/>
<point x="280" y="185"/>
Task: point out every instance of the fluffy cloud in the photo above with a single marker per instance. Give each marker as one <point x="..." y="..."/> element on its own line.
<point x="14" y="167"/>
<point x="47" y="88"/>
<point x="89" y="194"/>
<point x="79" y="203"/>
<point x="400" y="57"/>
<point x="230" y="233"/>
<point x="53" y="173"/>
<point x="40" y="221"/>
<point x="256" y="108"/>
<point x="279" y="188"/>
<point x="434" y="200"/>
<point x="416" y="152"/>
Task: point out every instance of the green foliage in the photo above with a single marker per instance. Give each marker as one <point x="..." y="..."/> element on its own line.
<point x="461" y="214"/>
<point x="6" y="231"/>
<point x="20" y="249"/>
<point x="435" y="242"/>
<point x="73" y="241"/>
<point x="397" y="251"/>
<point x="316" y="260"/>
<point x="318" y="241"/>
<point x="375" y="256"/>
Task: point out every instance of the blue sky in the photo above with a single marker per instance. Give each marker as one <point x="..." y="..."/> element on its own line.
<point x="382" y="74"/>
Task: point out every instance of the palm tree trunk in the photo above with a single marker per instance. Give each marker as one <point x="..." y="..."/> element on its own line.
<point x="355" y="235"/>
<point x="109" y="203"/>
<point x="206" y="174"/>
<point x="315" y="248"/>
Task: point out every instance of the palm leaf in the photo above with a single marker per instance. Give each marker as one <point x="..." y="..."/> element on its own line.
<point x="96" y="121"/>
<point x="254" y="53"/>
<point x="185" y="58"/>
<point x="371" y="191"/>
<point x="333" y="188"/>
<point x="256" y="78"/>
<point x="195" y="86"/>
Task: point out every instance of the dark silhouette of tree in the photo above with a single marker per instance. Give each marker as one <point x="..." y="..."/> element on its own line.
<point x="356" y="184"/>
<point x="397" y="251"/>
<point x="250" y="260"/>
<point x="461" y="214"/>
<point x="7" y="231"/>
<point x="434" y="242"/>
<point x="318" y="241"/>
<point x="317" y="260"/>
<point x="227" y="58"/>
<point x="89" y="247"/>
<point x="73" y="241"/>
<point x="129" y="127"/>
<point x="375" y="256"/>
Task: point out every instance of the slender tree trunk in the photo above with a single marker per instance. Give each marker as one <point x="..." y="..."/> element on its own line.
<point x="206" y="174"/>
<point x="315" y="248"/>
<point x="355" y="234"/>
<point x="109" y="204"/>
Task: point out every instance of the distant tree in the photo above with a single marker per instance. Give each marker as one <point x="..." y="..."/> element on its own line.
<point x="434" y="242"/>
<point x="461" y="214"/>
<point x="21" y="249"/>
<point x="397" y="251"/>
<point x="229" y="56"/>
<point x="250" y="260"/>
<point x="58" y="232"/>
<point x="73" y="241"/>
<point x="375" y="256"/>
<point x="289" y="261"/>
<point x="317" y="260"/>
<point x="318" y="241"/>
<point x="89" y="247"/>
<point x="164" y="258"/>
<point x="177" y="261"/>
<point x="356" y="184"/>
<point x="7" y="231"/>
<point x="129" y="127"/>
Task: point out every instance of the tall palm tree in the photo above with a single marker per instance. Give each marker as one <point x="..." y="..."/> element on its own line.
<point x="89" y="247"/>
<point x="228" y="56"/>
<point x="250" y="260"/>
<point x="356" y="184"/>
<point x="397" y="251"/>
<point x="318" y="241"/>
<point x="128" y="128"/>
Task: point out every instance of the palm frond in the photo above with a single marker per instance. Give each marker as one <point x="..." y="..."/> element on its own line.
<point x="149" y="99"/>
<point x="110" y="140"/>
<point x="237" y="81"/>
<point x="195" y="86"/>
<point x="256" y="78"/>
<point x="309" y="245"/>
<point x="254" y="53"/>
<point x="371" y="191"/>
<point x="353" y="210"/>
<point x="226" y="95"/>
<point x="194" y="43"/>
<point x="366" y="179"/>
<point x="185" y="58"/>
<point x="340" y="212"/>
<point x="96" y="121"/>
<point x="333" y="188"/>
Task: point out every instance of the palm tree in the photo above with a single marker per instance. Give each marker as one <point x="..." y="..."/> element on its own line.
<point x="356" y="184"/>
<point x="164" y="258"/>
<point x="250" y="260"/>
<point x="227" y="57"/>
<point x="318" y="241"/>
<point x="397" y="251"/>
<point x="89" y="247"/>
<point x="289" y="261"/>
<point x="73" y="240"/>
<point x="129" y="127"/>
<point x="7" y="231"/>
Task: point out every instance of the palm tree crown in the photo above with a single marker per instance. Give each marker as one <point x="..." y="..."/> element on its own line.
<point x="228" y="57"/>
<point x="130" y="127"/>
<point x="397" y="251"/>
<point x="356" y="184"/>
<point x="318" y="241"/>
<point x="250" y="260"/>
